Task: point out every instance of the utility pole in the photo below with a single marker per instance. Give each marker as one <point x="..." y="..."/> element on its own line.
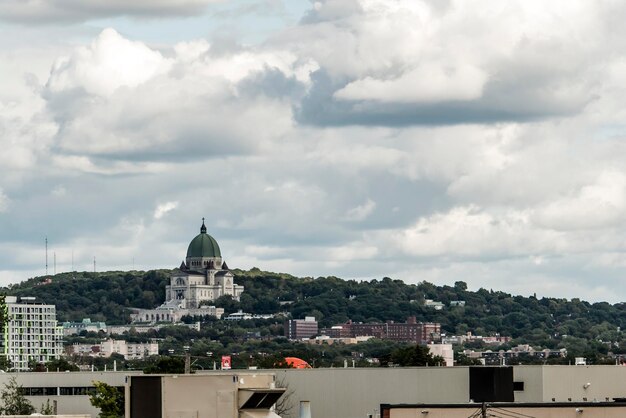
<point x="187" y="359"/>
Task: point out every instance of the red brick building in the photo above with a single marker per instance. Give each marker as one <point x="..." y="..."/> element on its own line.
<point x="409" y="331"/>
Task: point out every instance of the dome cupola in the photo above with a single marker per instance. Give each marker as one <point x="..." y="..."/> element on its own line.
<point x="203" y="245"/>
<point x="203" y="252"/>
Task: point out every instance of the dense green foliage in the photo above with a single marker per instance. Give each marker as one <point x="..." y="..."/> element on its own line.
<point x="99" y="296"/>
<point x="415" y="356"/>
<point x="108" y="399"/>
<point x="579" y="326"/>
<point x="13" y="400"/>
<point x="165" y="365"/>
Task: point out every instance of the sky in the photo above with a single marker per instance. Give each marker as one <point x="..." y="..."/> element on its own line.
<point x="422" y="140"/>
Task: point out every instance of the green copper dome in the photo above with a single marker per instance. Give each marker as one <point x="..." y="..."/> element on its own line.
<point x="203" y="245"/>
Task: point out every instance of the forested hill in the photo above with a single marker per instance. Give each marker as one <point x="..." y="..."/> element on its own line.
<point x="107" y="296"/>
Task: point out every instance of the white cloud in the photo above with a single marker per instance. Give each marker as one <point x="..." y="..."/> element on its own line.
<point x="361" y="212"/>
<point x="110" y="62"/>
<point x="475" y="233"/>
<point x="119" y="97"/>
<point x="164" y="208"/>
<point x="59" y="191"/>
<point x="601" y="204"/>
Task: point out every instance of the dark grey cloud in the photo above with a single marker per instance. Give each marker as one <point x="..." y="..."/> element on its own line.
<point x="70" y="11"/>
<point x="508" y="97"/>
<point x="271" y="82"/>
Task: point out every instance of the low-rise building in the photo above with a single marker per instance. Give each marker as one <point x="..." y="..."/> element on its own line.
<point x="496" y="339"/>
<point x="73" y="328"/>
<point x="429" y="303"/>
<point x="500" y="356"/>
<point x="172" y="312"/>
<point x="130" y="351"/>
<point x="143" y="328"/>
<point x="241" y="315"/>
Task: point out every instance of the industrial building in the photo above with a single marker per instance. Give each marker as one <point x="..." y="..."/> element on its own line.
<point x="226" y="395"/>
<point x="507" y="410"/>
<point x="360" y="392"/>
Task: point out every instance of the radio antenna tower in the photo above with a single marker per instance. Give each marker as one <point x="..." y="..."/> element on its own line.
<point x="46" y="255"/>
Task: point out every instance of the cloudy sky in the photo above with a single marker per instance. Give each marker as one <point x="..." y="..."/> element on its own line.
<point x="436" y="140"/>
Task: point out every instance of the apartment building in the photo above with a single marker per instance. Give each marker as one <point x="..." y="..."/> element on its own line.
<point x="31" y="332"/>
<point x="409" y="331"/>
<point x="298" y="329"/>
<point x="130" y="351"/>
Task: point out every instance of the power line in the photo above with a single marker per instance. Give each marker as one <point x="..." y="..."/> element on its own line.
<point x="511" y="413"/>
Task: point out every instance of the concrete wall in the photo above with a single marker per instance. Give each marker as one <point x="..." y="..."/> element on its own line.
<point x="68" y="404"/>
<point x="356" y="392"/>
<point x="208" y="395"/>
<point x="570" y="383"/>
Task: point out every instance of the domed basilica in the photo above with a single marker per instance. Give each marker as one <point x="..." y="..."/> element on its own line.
<point x="203" y="276"/>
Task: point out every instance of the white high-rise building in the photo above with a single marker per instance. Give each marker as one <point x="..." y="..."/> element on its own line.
<point x="31" y="332"/>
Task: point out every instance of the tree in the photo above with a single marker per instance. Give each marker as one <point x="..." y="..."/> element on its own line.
<point x="285" y="403"/>
<point x="412" y="356"/>
<point x="13" y="400"/>
<point x="166" y="365"/>
<point x="58" y="365"/>
<point x="5" y="363"/>
<point x="108" y="399"/>
<point x="47" y="409"/>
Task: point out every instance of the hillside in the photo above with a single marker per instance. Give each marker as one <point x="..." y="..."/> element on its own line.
<point x="547" y="321"/>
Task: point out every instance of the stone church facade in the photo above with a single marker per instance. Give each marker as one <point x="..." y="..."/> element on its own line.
<point x="202" y="277"/>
